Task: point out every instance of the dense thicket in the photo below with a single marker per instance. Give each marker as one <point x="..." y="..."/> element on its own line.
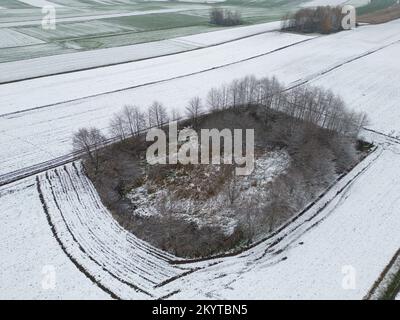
<point x="225" y="17"/>
<point x="311" y="124"/>
<point x="322" y="19"/>
<point x="312" y="105"/>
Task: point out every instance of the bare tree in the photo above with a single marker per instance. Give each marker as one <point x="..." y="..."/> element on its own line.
<point x="225" y="17"/>
<point x="193" y="110"/>
<point x="157" y="115"/>
<point x="134" y="119"/>
<point x="89" y="141"/>
<point x="118" y="127"/>
<point x="323" y="19"/>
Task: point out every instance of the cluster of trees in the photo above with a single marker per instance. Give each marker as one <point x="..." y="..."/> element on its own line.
<point x="131" y="121"/>
<point x="309" y="104"/>
<point x="312" y="105"/>
<point x="322" y="19"/>
<point x="225" y="17"/>
<point x="312" y="125"/>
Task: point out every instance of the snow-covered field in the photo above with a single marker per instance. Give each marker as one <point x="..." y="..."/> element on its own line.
<point x="370" y="84"/>
<point x="336" y="255"/>
<point x="93" y="17"/>
<point x="12" y="38"/>
<point x="31" y="259"/>
<point x="67" y="87"/>
<point x="127" y="266"/>
<point x="54" y="89"/>
<point x="34" y="136"/>
<point x="315" y="3"/>
<point x="40" y="3"/>
<point x="30" y="68"/>
<point x="337" y="249"/>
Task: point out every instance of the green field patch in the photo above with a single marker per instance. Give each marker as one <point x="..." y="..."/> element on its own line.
<point x="140" y="37"/>
<point x="75" y="30"/>
<point x="30" y="52"/>
<point x="159" y="21"/>
<point x="375" y="5"/>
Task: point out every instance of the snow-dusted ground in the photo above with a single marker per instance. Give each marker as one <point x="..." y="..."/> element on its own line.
<point x="69" y="116"/>
<point x="40" y="3"/>
<point x="213" y="211"/>
<point x="315" y="3"/>
<point x="31" y="68"/>
<point x="356" y="234"/>
<point x="127" y="266"/>
<point x="38" y="135"/>
<point x="67" y="87"/>
<point x="11" y="38"/>
<point x="370" y="84"/>
<point x="337" y="249"/>
<point x="29" y="254"/>
<point x="95" y="17"/>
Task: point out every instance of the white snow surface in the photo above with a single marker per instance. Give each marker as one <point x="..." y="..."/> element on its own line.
<point x="12" y="38"/>
<point x="40" y="3"/>
<point x="56" y="89"/>
<point x="96" y="17"/>
<point x="29" y="253"/>
<point x="358" y="227"/>
<point x="354" y="225"/>
<point x="17" y="70"/>
<point x="122" y="263"/>
<point x="315" y="3"/>
<point x="357" y="231"/>
<point x="37" y="135"/>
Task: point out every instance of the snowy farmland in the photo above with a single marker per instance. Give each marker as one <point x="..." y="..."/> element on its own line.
<point x="58" y="239"/>
<point x="339" y="232"/>
<point x="59" y="105"/>
<point x="11" y="38"/>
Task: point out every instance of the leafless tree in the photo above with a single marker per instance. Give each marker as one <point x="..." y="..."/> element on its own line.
<point x="133" y="119"/>
<point x="118" y="127"/>
<point x="225" y="17"/>
<point x="193" y="110"/>
<point x="323" y="19"/>
<point x="89" y="141"/>
<point x="157" y="115"/>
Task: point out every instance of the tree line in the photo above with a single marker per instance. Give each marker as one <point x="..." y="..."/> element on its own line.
<point x="225" y="17"/>
<point x="309" y="104"/>
<point x="322" y="19"/>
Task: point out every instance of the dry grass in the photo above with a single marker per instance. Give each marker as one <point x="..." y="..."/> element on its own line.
<point x="381" y="16"/>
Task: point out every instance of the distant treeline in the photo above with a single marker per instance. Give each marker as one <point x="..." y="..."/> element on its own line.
<point x="225" y="17"/>
<point x="313" y="105"/>
<point x="323" y="19"/>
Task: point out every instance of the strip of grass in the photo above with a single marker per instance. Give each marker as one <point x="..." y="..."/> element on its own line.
<point x="159" y="21"/>
<point x="375" y="5"/>
<point x="393" y="289"/>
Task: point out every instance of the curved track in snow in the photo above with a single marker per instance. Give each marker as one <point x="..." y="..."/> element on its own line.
<point x="129" y="268"/>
